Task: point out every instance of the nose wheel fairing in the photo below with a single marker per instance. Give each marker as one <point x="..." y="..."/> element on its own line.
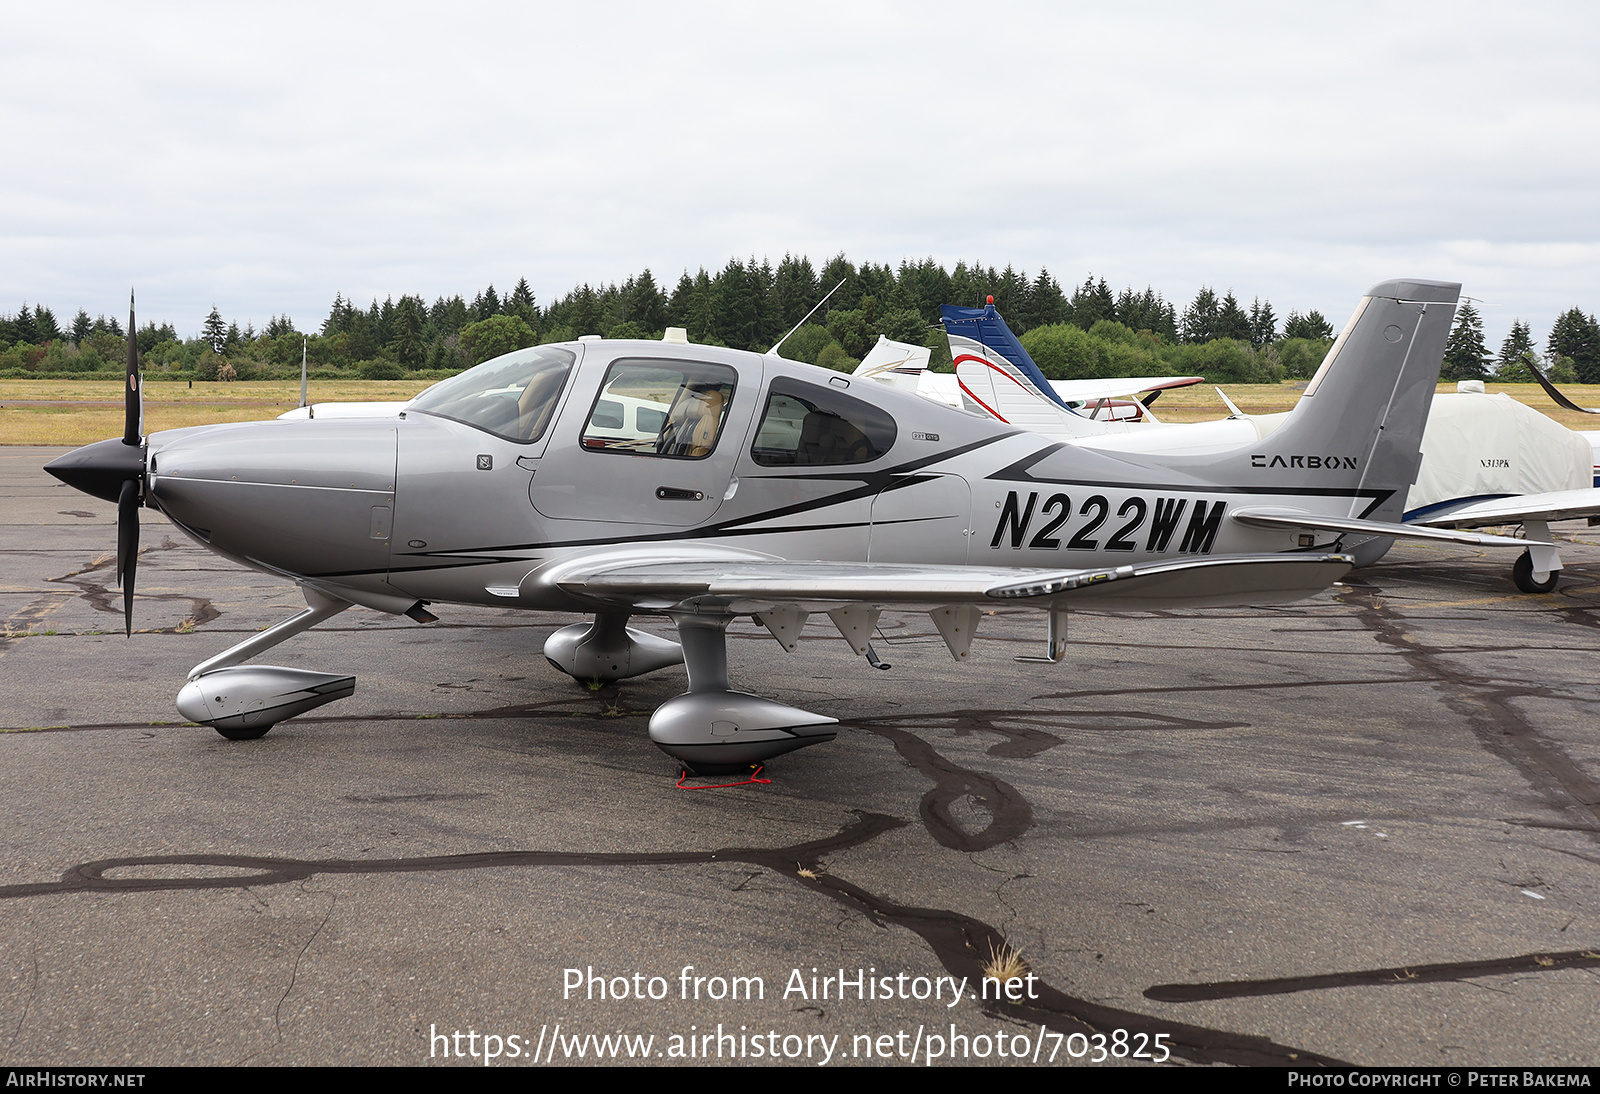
<point x="245" y="702"/>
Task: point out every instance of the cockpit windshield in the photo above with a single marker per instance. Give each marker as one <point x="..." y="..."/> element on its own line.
<point x="514" y="396"/>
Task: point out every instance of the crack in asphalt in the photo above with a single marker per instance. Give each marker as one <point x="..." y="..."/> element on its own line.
<point x="101" y="599"/>
<point x="294" y="973"/>
<point x="961" y="942"/>
<point x="1487" y="708"/>
<point x="1445" y="972"/>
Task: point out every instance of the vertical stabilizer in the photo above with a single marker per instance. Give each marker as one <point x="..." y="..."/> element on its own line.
<point x="973" y="330"/>
<point x="1360" y="422"/>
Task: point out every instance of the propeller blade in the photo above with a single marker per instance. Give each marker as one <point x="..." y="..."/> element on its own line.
<point x="127" y="547"/>
<point x="1551" y="390"/>
<point x="132" y="402"/>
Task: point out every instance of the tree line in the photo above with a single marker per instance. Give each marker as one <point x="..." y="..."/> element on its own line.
<point x="749" y="304"/>
<point x="1572" y="351"/>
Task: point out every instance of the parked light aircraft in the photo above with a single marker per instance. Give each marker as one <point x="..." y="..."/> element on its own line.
<point x="1487" y="460"/>
<point x="771" y="489"/>
<point x="905" y="366"/>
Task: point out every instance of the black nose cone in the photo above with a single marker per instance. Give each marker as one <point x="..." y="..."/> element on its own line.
<point x="99" y="469"/>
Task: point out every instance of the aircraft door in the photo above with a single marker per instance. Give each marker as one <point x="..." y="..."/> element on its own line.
<point x="922" y="517"/>
<point x="648" y="441"/>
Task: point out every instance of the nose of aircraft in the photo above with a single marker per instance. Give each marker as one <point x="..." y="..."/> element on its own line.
<point x="311" y="497"/>
<point x="99" y="469"/>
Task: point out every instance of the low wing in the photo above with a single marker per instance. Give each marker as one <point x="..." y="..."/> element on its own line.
<point x="741" y="586"/>
<point x="1518" y="509"/>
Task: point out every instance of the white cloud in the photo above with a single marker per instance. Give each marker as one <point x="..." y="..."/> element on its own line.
<point x="264" y="159"/>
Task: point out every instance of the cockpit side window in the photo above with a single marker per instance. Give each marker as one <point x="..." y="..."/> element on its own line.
<point x="808" y="425"/>
<point x="660" y="408"/>
<point x="514" y="396"/>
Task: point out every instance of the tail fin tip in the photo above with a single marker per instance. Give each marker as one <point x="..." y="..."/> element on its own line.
<point x="1417" y="289"/>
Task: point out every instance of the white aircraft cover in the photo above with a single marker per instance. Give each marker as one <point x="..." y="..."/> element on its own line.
<point x="1478" y="445"/>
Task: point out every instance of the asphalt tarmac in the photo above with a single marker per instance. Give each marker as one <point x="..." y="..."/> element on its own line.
<point x="1361" y="829"/>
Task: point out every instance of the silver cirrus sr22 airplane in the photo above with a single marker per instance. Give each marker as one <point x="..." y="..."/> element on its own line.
<point x="614" y="478"/>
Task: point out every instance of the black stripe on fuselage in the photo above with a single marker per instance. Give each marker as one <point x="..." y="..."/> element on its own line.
<point x="872" y="483"/>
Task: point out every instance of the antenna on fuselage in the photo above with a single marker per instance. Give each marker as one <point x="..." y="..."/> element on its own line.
<point x="302" y="370"/>
<point x="802" y="322"/>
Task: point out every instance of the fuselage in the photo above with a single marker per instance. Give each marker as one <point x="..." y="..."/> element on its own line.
<point x="497" y="474"/>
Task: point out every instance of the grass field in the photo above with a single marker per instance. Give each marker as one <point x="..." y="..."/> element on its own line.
<point x="78" y="412"/>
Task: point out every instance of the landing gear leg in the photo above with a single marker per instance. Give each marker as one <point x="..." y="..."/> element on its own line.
<point x="713" y="730"/>
<point x="243" y="702"/>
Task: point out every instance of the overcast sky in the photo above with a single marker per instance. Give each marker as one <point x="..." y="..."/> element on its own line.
<point x="263" y="158"/>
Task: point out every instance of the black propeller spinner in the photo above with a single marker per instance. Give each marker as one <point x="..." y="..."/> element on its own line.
<point x="114" y="470"/>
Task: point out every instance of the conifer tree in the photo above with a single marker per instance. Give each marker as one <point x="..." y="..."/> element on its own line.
<point x="44" y="320"/>
<point x="215" y="331"/>
<point x="1577" y="336"/>
<point x="522" y="305"/>
<point x="736" y="304"/>
<point x="1232" y="322"/>
<point x="841" y="269"/>
<point x="1310" y="325"/>
<point x="1263" y="324"/>
<point x="1200" y="318"/>
<point x="485" y="304"/>
<point x="1090" y="303"/>
<point x="449" y="316"/>
<point x="1465" y="354"/>
<point x="794" y="289"/>
<point x="410" y="343"/>
<point x="1515" y="351"/>
<point x="649" y="305"/>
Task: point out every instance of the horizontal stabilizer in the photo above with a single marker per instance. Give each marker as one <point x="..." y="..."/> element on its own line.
<point x="1517" y="509"/>
<point x="1298" y="518"/>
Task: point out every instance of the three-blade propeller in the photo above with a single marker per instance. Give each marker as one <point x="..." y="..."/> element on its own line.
<point x="114" y="470"/>
<point x="131" y="495"/>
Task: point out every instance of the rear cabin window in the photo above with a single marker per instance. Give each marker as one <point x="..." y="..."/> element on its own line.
<point x="804" y="425"/>
<point x="660" y="408"/>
